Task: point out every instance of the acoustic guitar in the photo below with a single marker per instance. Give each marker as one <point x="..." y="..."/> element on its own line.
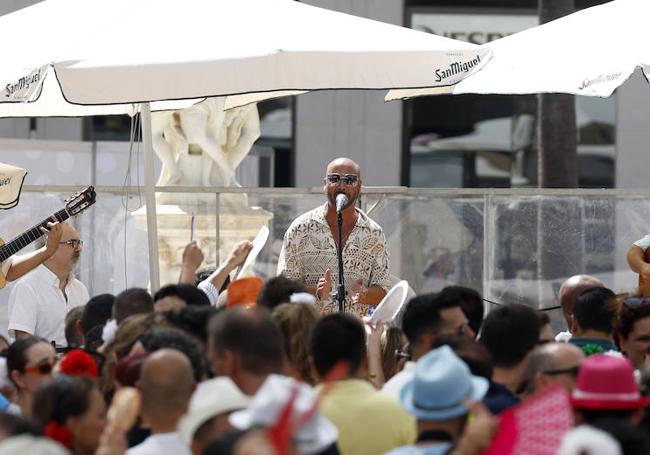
<point x="74" y="205"/>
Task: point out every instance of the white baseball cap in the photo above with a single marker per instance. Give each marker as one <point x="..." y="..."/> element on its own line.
<point x="211" y="398"/>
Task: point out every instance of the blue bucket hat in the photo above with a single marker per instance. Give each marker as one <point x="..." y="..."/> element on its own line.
<point x="441" y="386"/>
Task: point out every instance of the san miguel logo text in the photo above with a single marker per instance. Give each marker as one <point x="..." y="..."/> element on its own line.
<point x="602" y="79"/>
<point x="457" y="68"/>
<point x="24" y="83"/>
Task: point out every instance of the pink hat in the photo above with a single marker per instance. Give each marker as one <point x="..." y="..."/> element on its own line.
<point x="607" y="382"/>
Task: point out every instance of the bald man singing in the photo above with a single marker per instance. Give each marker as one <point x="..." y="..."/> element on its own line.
<point x="309" y="249"/>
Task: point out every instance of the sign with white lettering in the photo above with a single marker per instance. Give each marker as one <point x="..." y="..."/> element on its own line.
<point x="473" y="28"/>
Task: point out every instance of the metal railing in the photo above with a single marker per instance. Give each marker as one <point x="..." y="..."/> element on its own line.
<point x="514" y="245"/>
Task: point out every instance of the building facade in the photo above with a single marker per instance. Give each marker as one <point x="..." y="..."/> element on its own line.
<point x="443" y="141"/>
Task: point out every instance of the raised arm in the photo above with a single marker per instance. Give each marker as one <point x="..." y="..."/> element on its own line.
<point x="637" y="262"/>
<point x="235" y="259"/>
<point x="24" y="263"/>
<point x="192" y="259"/>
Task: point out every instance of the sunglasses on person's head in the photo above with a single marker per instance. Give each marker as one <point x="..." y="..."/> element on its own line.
<point x="632" y="302"/>
<point x="348" y="179"/>
<point x="573" y="371"/>
<point x="43" y="368"/>
<point x="74" y="243"/>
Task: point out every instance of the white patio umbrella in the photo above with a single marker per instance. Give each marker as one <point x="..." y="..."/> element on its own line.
<point x="197" y="48"/>
<point x="90" y="57"/>
<point x="590" y="52"/>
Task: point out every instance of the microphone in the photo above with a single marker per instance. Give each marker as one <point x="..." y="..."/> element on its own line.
<point x="341" y="201"/>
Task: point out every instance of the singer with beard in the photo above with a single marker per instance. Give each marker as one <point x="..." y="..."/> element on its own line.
<point x="40" y="300"/>
<point x="309" y="249"/>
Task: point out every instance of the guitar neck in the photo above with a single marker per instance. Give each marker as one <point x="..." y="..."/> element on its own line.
<point x="29" y="236"/>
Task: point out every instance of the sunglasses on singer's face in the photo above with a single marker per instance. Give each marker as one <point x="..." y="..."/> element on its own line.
<point x="348" y="179"/>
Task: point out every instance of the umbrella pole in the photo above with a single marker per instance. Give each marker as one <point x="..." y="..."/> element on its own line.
<point x="150" y="197"/>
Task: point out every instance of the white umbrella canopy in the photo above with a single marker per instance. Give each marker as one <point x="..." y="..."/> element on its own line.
<point x="50" y="102"/>
<point x="590" y="52"/>
<point x="93" y="57"/>
<point x="35" y="37"/>
<point x="112" y="53"/>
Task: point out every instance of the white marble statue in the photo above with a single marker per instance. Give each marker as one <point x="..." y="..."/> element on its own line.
<point x="203" y="144"/>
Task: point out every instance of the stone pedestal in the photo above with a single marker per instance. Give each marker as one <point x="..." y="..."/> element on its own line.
<point x="175" y="225"/>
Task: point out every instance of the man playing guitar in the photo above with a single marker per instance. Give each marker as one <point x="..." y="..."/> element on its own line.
<point x="12" y="266"/>
<point x="18" y="265"/>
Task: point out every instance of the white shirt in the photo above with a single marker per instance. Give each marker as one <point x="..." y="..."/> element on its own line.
<point x="37" y="305"/>
<point x="563" y="337"/>
<point x="210" y="291"/>
<point x="308" y="250"/>
<point x="161" y="444"/>
<point x="395" y="384"/>
<point x="643" y="243"/>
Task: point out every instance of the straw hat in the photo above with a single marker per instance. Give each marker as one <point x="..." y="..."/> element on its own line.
<point x="211" y="398"/>
<point x="441" y="387"/>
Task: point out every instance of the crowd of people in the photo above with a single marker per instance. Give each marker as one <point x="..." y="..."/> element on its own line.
<point x="213" y="366"/>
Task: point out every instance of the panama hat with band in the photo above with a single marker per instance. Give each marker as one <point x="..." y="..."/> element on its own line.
<point x="441" y="387"/>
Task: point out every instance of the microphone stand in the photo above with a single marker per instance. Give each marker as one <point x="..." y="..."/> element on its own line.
<point x="340" y="290"/>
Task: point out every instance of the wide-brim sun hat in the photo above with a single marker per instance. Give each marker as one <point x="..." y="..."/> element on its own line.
<point x="442" y="387"/>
